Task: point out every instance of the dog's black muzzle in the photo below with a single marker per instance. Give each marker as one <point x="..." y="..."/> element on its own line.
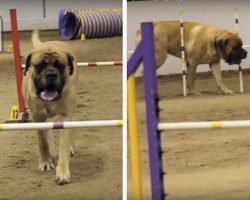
<point x="50" y="85"/>
<point x="236" y="56"/>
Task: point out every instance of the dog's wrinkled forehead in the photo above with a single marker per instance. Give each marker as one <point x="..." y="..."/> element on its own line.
<point x="48" y="57"/>
<point x="234" y="40"/>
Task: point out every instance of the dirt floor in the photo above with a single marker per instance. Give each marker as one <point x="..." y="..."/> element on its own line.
<point x="96" y="169"/>
<point x="200" y="164"/>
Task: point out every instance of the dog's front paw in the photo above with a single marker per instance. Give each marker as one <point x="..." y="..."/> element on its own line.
<point x="227" y="91"/>
<point x="62" y="175"/>
<point x="46" y="166"/>
<point x="194" y="93"/>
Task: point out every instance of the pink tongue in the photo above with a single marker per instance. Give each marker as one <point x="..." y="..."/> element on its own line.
<point x="49" y="96"/>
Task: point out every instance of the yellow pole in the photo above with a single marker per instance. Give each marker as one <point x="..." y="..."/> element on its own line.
<point x="134" y="139"/>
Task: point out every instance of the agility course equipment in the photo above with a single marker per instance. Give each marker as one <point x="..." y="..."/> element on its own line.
<point x="238" y="33"/>
<point x="183" y="58"/>
<point x="144" y="53"/>
<point x="204" y="125"/>
<point x="17" y="59"/>
<point x="93" y="23"/>
<point x="134" y="138"/>
<point x="93" y="64"/>
<point x="59" y="125"/>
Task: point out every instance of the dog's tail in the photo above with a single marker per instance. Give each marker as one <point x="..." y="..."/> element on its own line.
<point x="35" y="38"/>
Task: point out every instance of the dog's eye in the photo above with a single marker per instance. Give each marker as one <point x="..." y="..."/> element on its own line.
<point x="60" y="66"/>
<point x="237" y="47"/>
<point x="40" y="66"/>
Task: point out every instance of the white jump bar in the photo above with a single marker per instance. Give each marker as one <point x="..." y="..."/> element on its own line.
<point x="60" y="125"/>
<point x="204" y="125"/>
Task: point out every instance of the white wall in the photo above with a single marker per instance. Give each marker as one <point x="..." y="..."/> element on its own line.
<point x="219" y="13"/>
<point x="30" y="13"/>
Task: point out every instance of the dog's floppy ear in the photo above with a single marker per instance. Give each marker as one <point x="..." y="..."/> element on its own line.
<point x="71" y="64"/>
<point x="221" y="44"/>
<point x="27" y="65"/>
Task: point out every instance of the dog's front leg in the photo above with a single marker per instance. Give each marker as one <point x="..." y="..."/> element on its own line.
<point x="46" y="145"/>
<point x="216" y="71"/>
<point x="46" y="150"/>
<point x="62" y="169"/>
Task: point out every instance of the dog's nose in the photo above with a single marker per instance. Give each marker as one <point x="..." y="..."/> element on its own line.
<point x="51" y="76"/>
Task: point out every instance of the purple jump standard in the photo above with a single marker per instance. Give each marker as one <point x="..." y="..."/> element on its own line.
<point x="145" y="53"/>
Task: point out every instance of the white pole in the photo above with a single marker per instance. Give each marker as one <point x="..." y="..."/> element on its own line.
<point x="246" y="46"/>
<point x="204" y="125"/>
<point x="80" y="64"/>
<point x="238" y="33"/>
<point x="184" y="67"/>
<point x="59" y="125"/>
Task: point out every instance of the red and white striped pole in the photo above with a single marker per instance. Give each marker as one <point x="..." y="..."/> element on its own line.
<point x="107" y="63"/>
<point x="93" y="64"/>
<point x="238" y="33"/>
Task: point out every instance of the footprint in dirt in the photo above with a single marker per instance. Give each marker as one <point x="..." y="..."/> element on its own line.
<point x="87" y="165"/>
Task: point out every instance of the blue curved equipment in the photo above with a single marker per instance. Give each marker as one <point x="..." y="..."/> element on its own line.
<point x="93" y="23"/>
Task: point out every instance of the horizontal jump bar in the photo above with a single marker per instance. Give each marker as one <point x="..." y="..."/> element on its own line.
<point x="59" y="125"/>
<point x="80" y="64"/>
<point x="204" y="125"/>
<point x="106" y="63"/>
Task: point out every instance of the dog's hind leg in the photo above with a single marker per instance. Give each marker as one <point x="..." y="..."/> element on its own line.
<point x="160" y="52"/>
<point x="191" y="71"/>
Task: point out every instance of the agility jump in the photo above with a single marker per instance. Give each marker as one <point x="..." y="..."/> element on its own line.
<point x="145" y="54"/>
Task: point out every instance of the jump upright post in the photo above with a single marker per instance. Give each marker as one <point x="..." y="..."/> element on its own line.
<point x="238" y="33"/>
<point x="145" y="54"/>
<point x="17" y="59"/>
<point x="183" y="57"/>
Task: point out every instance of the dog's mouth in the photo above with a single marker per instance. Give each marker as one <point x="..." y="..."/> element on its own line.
<point x="233" y="62"/>
<point x="49" y="95"/>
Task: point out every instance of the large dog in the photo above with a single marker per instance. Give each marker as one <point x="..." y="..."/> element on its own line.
<point x="49" y="89"/>
<point x="204" y="44"/>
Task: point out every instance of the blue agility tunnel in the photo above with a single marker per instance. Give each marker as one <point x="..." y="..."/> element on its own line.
<point x="93" y="23"/>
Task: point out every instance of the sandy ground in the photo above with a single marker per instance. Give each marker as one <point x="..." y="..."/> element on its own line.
<point x="96" y="169"/>
<point x="200" y="164"/>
